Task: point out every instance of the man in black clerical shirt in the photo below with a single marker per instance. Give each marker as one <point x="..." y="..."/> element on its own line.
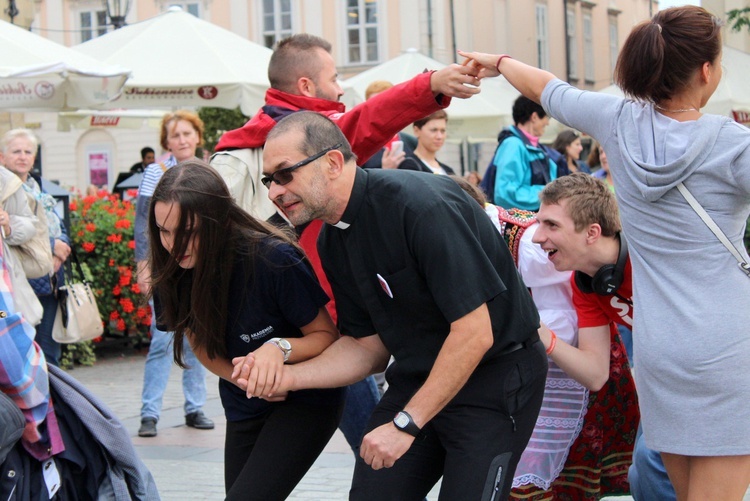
<point x="419" y="272"/>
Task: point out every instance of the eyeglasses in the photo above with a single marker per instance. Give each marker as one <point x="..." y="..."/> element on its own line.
<point x="284" y="176"/>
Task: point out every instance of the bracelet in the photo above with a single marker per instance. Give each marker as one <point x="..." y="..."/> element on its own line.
<point x="552" y="342"/>
<point x="502" y="56"/>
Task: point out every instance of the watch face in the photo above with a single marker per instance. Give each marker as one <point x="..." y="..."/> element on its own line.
<point x="284" y="344"/>
<point x="401" y="420"/>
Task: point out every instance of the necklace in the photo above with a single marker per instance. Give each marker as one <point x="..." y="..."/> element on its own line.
<point x="680" y="110"/>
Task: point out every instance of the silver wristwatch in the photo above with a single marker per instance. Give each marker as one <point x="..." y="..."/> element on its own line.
<point x="284" y="345"/>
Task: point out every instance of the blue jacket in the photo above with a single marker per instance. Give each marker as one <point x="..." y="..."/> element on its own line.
<point x="522" y="172"/>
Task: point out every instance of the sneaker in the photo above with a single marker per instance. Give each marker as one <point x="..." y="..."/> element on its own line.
<point x="199" y="421"/>
<point x="148" y="427"/>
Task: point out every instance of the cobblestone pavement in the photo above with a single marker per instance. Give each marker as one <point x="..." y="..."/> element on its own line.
<point x="187" y="464"/>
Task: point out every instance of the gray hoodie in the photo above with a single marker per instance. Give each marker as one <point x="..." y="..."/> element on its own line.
<point x="691" y="302"/>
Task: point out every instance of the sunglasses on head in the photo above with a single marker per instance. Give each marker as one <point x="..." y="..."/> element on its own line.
<point x="285" y="176"/>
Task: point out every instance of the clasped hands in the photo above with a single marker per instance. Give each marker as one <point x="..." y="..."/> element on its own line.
<point x="262" y="374"/>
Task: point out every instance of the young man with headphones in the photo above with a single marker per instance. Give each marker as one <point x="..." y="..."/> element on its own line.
<point x="579" y="228"/>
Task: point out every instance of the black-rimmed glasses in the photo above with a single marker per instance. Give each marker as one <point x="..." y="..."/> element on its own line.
<point x="284" y="176"/>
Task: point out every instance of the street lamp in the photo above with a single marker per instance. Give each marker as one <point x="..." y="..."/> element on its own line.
<point x="12" y="10"/>
<point x="116" y="11"/>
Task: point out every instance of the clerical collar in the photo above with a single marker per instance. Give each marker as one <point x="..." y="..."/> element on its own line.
<point x="341" y="225"/>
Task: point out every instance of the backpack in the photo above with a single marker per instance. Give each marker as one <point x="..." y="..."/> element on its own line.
<point x="35" y="255"/>
<point x="488" y="180"/>
<point x="242" y="169"/>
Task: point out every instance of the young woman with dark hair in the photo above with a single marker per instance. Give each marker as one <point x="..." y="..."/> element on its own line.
<point x="690" y="334"/>
<point x="568" y="144"/>
<point x="233" y="285"/>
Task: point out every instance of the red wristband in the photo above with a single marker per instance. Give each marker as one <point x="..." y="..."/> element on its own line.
<point x="552" y="342"/>
<point x="500" y="59"/>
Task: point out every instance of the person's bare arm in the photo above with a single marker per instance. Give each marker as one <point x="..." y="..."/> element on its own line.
<point x="268" y="360"/>
<point x="528" y="80"/>
<point x="589" y="362"/>
<point x="469" y="339"/>
<point x="344" y="362"/>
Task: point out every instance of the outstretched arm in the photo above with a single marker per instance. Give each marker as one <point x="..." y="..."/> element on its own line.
<point x="589" y="362"/>
<point x="529" y="80"/>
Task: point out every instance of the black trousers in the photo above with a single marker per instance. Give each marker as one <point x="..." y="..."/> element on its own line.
<point x="474" y="443"/>
<point x="265" y="458"/>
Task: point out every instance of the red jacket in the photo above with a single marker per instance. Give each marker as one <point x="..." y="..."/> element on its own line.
<point x="368" y="126"/>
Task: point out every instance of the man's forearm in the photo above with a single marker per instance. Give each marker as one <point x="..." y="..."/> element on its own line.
<point x="344" y="362"/>
<point x="468" y="341"/>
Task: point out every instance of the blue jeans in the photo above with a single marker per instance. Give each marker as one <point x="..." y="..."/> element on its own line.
<point x="361" y="399"/>
<point x="647" y="476"/>
<point x="51" y="348"/>
<point x="156" y="375"/>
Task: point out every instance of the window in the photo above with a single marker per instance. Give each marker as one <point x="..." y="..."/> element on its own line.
<point x="613" y="43"/>
<point x="362" y="31"/>
<point x="93" y="24"/>
<point x="588" y="48"/>
<point x="193" y="8"/>
<point x="542" y="42"/>
<point x="572" y="45"/>
<point x="277" y="21"/>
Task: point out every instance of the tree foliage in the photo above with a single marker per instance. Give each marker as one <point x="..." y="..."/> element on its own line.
<point x="739" y="18"/>
<point x="217" y="121"/>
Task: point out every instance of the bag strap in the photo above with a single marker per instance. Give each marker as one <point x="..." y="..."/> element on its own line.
<point x="69" y="267"/>
<point x="698" y="208"/>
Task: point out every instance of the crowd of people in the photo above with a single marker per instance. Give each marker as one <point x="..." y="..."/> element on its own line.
<point x="322" y="248"/>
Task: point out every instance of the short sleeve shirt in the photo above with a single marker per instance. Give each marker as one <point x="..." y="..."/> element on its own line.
<point x="274" y="299"/>
<point x="595" y="310"/>
<point x="417" y="255"/>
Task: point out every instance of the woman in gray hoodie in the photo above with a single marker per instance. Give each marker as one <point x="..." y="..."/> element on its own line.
<point x="691" y="332"/>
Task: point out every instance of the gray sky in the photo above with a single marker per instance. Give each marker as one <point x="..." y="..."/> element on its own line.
<point x="663" y="4"/>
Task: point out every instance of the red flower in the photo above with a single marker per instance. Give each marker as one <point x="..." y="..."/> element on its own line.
<point x="136" y="288"/>
<point x="81" y="233"/>
<point x="131" y="244"/>
<point x="125" y="277"/>
<point x="88" y="246"/>
<point x="122" y="223"/>
<point x="73" y="206"/>
<point x="115" y="238"/>
<point x="121" y="325"/>
<point x="90" y="227"/>
<point x="127" y="305"/>
<point x="141" y="313"/>
<point x="89" y="200"/>
<point x="111" y="262"/>
<point x="116" y="291"/>
<point x="114" y="316"/>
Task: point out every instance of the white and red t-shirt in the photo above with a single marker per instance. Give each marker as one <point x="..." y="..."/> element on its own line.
<point x="595" y="310"/>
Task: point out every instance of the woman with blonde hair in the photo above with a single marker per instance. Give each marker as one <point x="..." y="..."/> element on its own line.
<point x="690" y="335"/>
<point x="181" y="134"/>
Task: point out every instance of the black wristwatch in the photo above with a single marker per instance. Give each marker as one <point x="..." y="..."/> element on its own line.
<point x="404" y="422"/>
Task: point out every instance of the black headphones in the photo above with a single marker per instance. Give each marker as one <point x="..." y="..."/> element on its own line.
<point x="608" y="279"/>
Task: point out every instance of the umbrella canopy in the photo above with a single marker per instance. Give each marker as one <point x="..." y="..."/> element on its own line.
<point x="127" y="119"/>
<point x="481" y="115"/>
<point x="179" y="60"/>
<point x="732" y="96"/>
<point x="40" y="75"/>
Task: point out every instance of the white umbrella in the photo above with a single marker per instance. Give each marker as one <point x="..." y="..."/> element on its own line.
<point x="179" y="60"/>
<point x="40" y="75"/>
<point x="732" y="96"/>
<point x="481" y="115"/>
<point x="126" y="119"/>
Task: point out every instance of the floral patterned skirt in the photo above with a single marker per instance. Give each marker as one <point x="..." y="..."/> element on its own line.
<point x="599" y="459"/>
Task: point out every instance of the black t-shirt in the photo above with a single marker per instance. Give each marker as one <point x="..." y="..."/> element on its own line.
<point x="419" y="254"/>
<point x="275" y="299"/>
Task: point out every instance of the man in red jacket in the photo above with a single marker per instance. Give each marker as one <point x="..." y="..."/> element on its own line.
<point x="303" y="76"/>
